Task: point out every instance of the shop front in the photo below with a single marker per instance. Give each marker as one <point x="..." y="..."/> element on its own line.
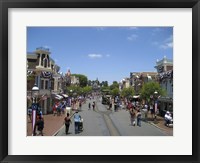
<point x="165" y="104"/>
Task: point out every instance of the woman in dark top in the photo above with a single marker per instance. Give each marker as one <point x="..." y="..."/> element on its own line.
<point x="67" y="123"/>
<point x="40" y="125"/>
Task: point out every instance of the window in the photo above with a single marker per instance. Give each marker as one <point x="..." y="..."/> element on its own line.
<point x="43" y="56"/>
<point x="45" y="62"/>
<point x="46" y="84"/>
<point x="42" y="84"/>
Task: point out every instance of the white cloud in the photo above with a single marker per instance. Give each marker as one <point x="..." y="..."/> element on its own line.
<point x="132" y="37"/>
<point x="165" y="44"/>
<point x="95" y="56"/>
<point x="168" y="43"/>
<point x="107" y="55"/>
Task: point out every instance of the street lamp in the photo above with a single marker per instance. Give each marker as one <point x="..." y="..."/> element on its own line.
<point x="156" y="104"/>
<point x="35" y="93"/>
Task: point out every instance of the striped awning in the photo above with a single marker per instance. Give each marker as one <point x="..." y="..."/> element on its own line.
<point x="64" y="95"/>
<point x="58" y="97"/>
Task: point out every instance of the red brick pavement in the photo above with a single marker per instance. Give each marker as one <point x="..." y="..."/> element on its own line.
<point x="51" y="124"/>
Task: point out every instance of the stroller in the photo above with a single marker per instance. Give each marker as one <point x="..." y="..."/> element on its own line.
<point x="81" y="124"/>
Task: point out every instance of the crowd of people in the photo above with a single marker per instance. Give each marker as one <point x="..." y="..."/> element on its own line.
<point x="135" y="109"/>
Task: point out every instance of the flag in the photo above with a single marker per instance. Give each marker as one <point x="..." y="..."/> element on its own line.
<point x="156" y="107"/>
<point x="33" y="121"/>
<point x="34" y="111"/>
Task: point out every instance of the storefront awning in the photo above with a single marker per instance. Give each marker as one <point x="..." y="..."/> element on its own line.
<point x="56" y="96"/>
<point x="136" y="96"/>
<point x="64" y="95"/>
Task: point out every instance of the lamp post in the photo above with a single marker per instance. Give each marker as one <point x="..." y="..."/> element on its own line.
<point x="156" y="104"/>
<point x="35" y="93"/>
<point x="70" y="94"/>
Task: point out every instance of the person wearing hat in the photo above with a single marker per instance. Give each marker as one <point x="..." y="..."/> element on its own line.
<point x="168" y="118"/>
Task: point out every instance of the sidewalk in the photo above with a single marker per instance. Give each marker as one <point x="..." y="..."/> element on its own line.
<point x="51" y="124"/>
<point x="159" y="123"/>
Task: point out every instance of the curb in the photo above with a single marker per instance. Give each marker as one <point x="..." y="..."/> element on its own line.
<point x="58" y="131"/>
<point x="60" y="128"/>
<point x="166" y="131"/>
<point x="151" y="123"/>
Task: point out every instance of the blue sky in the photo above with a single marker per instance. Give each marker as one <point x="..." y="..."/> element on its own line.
<point x="106" y="53"/>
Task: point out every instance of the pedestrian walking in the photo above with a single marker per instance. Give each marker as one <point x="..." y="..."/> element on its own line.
<point x="58" y="109"/>
<point x="132" y="116"/>
<point x="93" y="105"/>
<point x="40" y="125"/>
<point x="63" y="107"/>
<point x="67" y="121"/>
<point x="80" y="105"/>
<point x="139" y="118"/>
<point x="77" y="119"/>
<point x="54" y="109"/>
<point x="152" y="111"/>
<point x="89" y="106"/>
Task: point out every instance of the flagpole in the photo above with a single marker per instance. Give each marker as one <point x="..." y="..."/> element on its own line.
<point x="35" y="93"/>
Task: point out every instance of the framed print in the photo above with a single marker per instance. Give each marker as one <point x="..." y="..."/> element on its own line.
<point x="99" y="81"/>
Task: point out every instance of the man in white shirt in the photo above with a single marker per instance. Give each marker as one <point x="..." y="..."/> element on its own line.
<point x="168" y="118"/>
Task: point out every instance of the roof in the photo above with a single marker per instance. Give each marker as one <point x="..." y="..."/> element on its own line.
<point x="31" y="56"/>
<point x="164" y="60"/>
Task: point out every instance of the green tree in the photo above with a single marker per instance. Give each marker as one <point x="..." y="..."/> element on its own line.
<point x="82" y="79"/>
<point x="89" y="82"/>
<point x="115" y="92"/>
<point x="127" y="92"/>
<point x="73" y="90"/>
<point x="104" y="84"/>
<point x="114" y="85"/>
<point x="105" y="88"/>
<point x="86" y="90"/>
<point x="31" y="77"/>
<point x="149" y="88"/>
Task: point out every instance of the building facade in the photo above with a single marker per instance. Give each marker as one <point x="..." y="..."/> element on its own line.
<point x="137" y="79"/>
<point x="42" y="71"/>
<point x="165" y="77"/>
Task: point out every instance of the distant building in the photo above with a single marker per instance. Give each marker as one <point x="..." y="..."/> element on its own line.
<point x="74" y="80"/>
<point x="165" y="77"/>
<point x="67" y="78"/>
<point x="125" y="83"/>
<point x="137" y="79"/>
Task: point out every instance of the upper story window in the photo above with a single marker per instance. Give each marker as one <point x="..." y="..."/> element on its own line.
<point x="45" y="62"/>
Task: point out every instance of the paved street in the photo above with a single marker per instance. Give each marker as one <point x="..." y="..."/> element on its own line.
<point x="103" y="122"/>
